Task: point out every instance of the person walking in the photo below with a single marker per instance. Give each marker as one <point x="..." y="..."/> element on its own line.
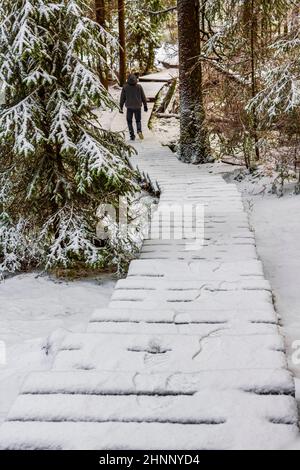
<point x="133" y="96"/>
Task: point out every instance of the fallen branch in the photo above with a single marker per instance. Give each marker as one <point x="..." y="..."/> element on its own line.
<point x="159" y="12"/>
<point x="230" y="162"/>
<point x="228" y="73"/>
<point x="167" y="115"/>
<point x="166" y="101"/>
<point x="169" y="66"/>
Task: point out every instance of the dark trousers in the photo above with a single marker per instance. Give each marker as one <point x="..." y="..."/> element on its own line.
<point x="137" y="113"/>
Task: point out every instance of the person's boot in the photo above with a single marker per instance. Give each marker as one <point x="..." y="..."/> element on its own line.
<point x="140" y="134"/>
<point x="132" y="137"/>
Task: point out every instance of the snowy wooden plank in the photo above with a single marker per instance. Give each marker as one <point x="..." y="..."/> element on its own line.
<point x="192" y="286"/>
<point x="206" y="270"/>
<point x="181" y="327"/>
<point x="116" y="436"/>
<point x="202" y="408"/>
<point x="184" y="316"/>
<point x="205" y="299"/>
<point x="213" y="349"/>
<point x="261" y="382"/>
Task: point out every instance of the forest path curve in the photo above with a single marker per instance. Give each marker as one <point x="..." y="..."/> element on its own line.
<point x="188" y="355"/>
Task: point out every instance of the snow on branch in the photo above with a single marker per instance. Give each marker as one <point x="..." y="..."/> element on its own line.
<point x="281" y="80"/>
<point x="98" y="158"/>
<point x="21" y="123"/>
<point x="86" y="89"/>
<point x="16" y="248"/>
<point x="72" y="237"/>
<point x="281" y="92"/>
<point x="50" y="55"/>
<point x="61" y="125"/>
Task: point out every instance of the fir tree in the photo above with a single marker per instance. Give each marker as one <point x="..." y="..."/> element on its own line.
<point x="143" y="29"/>
<point x="57" y="163"/>
<point x="235" y="39"/>
<point x="280" y="94"/>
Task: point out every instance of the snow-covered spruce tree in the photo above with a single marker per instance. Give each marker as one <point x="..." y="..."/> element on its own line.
<point x="57" y="164"/>
<point x="143" y="30"/>
<point x="281" y="80"/>
<point x="278" y="103"/>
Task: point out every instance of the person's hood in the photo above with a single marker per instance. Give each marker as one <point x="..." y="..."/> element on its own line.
<point x="132" y="79"/>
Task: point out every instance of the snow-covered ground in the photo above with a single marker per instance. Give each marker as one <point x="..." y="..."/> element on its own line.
<point x="276" y="224"/>
<point x="187" y="340"/>
<point x="277" y="228"/>
<point x="167" y="54"/>
<point x="166" y="130"/>
<point x="35" y="313"/>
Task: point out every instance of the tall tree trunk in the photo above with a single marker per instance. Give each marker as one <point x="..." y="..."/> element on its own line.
<point x="151" y="59"/>
<point x="253" y="41"/>
<point x="151" y="49"/>
<point x="100" y="18"/>
<point x="193" y="136"/>
<point x="122" y="42"/>
<point x="250" y="33"/>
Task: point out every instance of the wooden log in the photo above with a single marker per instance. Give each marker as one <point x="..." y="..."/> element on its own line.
<point x="167" y="116"/>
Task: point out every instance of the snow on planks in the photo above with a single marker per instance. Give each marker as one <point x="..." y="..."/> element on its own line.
<point x="188" y="355"/>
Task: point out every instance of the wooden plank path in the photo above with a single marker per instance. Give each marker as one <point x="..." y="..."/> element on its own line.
<point x="188" y="354"/>
<point x="159" y="77"/>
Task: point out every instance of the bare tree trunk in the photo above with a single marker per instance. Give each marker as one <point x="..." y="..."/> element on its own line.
<point x="100" y="18"/>
<point x="193" y="136"/>
<point x="151" y="59"/>
<point x="122" y="42"/>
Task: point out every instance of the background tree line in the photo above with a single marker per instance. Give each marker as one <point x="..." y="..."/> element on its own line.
<point x="239" y="71"/>
<point x="138" y="24"/>
<point x="238" y="95"/>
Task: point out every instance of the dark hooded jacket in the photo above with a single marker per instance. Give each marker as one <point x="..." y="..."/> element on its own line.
<point x="133" y="95"/>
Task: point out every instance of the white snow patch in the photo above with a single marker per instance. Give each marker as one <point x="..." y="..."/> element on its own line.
<point x="36" y="312"/>
<point x="167" y="54"/>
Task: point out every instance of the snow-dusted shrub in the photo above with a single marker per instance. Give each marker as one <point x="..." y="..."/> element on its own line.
<point x="278" y="104"/>
<point x="126" y="234"/>
<point x="281" y="80"/>
<point x="57" y="163"/>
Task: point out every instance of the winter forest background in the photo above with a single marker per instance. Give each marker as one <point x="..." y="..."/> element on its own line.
<point x="234" y="100"/>
<point x="239" y="82"/>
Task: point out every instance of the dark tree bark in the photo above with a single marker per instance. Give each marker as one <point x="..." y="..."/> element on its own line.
<point x="100" y="18"/>
<point x="253" y="41"/>
<point x="193" y="136"/>
<point x="151" y="59"/>
<point x="122" y="42"/>
<point x="250" y="27"/>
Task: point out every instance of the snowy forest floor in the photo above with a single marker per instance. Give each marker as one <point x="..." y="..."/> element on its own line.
<point x="35" y="313"/>
<point x="36" y="310"/>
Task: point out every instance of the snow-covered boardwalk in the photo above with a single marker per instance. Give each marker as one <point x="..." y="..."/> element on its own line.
<point x="188" y="354"/>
